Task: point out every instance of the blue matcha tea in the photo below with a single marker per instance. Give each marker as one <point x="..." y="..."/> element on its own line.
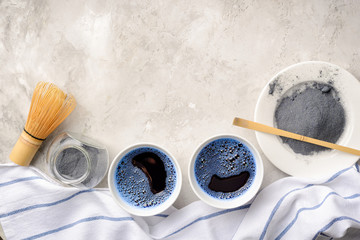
<point x="145" y="177"/>
<point x="225" y="168"/>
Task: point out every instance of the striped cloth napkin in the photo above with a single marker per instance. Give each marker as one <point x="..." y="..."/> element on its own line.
<point x="32" y="207"/>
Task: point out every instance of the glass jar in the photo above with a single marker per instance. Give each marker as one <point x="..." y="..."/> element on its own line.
<point x="75" y="160"/>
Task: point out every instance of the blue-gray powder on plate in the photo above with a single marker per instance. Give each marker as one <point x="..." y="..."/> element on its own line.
<point x="313" y="110"/>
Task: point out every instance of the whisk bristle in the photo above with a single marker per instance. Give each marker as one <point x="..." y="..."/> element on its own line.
<point x="49" y="107"/>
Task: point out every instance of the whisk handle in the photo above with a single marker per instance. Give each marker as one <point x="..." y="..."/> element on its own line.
<point x="24" y="149"/>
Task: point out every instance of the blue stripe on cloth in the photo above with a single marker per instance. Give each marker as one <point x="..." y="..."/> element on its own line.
<point x="327" y="226"/>
<point x="88" y="219"/>
<point x="357" y="167"/>
<point x="283" y="197"/>
<point x="337" y="174"/>
<point x="208" y="217"/>
<point x="312" y="208"/>
<point x="161" y="215"/>
<point x="19" y="180"/>
<point x="324" y="235"/>
<point x="44" y="204"/>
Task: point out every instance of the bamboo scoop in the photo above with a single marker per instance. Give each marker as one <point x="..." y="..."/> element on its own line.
<point x="275" y="131"/>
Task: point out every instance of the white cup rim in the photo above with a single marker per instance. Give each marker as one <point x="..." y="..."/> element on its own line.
<point x="137" y="210"/>
<point x="233" y="202"/>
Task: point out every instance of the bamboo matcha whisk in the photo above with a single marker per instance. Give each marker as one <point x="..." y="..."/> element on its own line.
<point x="49" y="107"/>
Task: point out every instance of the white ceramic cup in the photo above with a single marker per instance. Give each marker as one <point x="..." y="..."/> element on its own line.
<point x="137" y="210"/>
<point x="240" y="200"/>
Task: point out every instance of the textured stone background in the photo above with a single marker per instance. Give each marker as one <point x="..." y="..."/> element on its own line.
<point x="169" y="72"/>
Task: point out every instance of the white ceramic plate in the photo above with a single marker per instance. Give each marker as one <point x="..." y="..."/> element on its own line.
<point x="320" y="164"/>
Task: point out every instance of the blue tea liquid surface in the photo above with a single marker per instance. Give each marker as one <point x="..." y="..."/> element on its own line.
<point x="224" y="157"/>
<point x="133" y="184"/>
